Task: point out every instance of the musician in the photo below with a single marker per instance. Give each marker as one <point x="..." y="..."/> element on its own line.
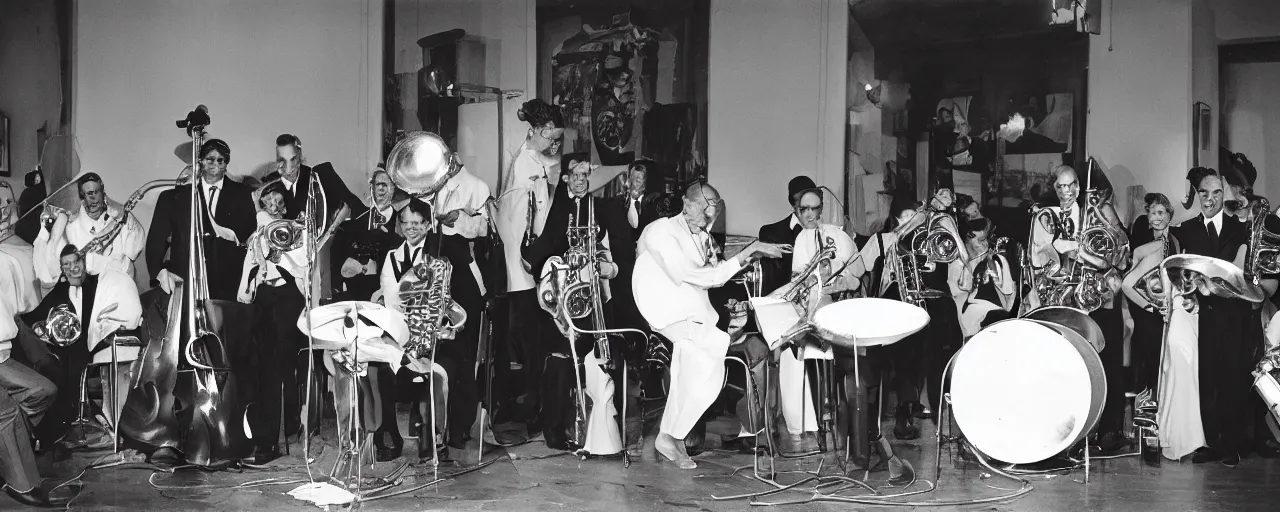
<point x="1065" y="247"/>
<point x="905" y="356"/>
<point x="844" y="271"/>
<point x="24" y="397"/>
<point x="983" y="285"/>
<point x="574" y="204"/>
<point x="104" y="303"/>
<point x="97" y="217"/>
<point x="362" y="243"/>
<point x="17" y="269"/>
<point x="522" y="213"/>
<point x="296" y="177"/>
<point x="1226" y="355"/>
<point x="639" y="205"/>
<point x="967" y="208"/>
<point x="778" y="272"/>
<point x="461" y="209"/>
<point x="225" y="232"/>
<point x="1151" y="242"/>
<point x="421" y="240"/>
<point x="675" y="265"/>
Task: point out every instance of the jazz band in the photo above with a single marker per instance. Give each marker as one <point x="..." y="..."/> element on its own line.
<point x="592" y="286"/>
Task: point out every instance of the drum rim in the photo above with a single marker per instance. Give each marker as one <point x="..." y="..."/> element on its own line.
<point x="847" y="340"/>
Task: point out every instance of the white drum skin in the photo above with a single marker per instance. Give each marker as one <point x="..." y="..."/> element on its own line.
<point x="1022" y="392"/>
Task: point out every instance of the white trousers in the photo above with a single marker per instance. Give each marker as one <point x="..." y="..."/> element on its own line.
<point x="796" y="395"/>
<point x="603" y="434"/>
<point x="697" y="373"/>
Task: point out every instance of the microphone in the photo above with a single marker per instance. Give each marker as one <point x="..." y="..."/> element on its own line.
<point x="197" y="117"/>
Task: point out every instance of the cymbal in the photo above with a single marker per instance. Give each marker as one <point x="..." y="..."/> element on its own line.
<point x="868" y="322"/>
<point x="341" y="325"/>
<point x="1211" y="276"/>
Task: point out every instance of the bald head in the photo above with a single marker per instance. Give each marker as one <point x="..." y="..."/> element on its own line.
<point x="702" y="205"/>
<point x="1066" y="184"/>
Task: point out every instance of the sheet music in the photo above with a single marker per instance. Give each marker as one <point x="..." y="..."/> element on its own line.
<point x="774" y="317"/>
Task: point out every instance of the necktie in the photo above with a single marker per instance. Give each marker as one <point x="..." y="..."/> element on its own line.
<point x="73" y="294"/>
<point x="1213" y="237"/>
<point x="633" y="213"/>
<point x="213" y="194"/>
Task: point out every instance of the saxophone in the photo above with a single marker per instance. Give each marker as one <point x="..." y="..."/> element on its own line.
<point x="101" y="242"/>
<point x="429" y="310"/>
<point x="1264" y="246"/>
<point x="1090" y="279"/>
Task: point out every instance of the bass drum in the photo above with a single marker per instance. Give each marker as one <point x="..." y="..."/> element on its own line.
<point x="1045" y="394"/>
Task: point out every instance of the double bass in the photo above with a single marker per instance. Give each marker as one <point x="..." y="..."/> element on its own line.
<point x="186" y="395"/>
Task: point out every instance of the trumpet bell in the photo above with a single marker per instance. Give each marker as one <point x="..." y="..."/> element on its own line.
<point x="61" y="327"/>
<point x="421" y="163"/>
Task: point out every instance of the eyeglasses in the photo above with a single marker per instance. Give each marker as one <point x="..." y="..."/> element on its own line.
<point x="810" y="208"/>
<point x="551" y="133"/>
<point x="216" y="161"/>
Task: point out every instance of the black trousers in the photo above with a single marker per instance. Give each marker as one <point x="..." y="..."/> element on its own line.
<point x="1111" y="321"/>
<point x="458" y="358"/>
<point x="527" y="325"/>
<point x="1144" y="348"/>
<point x="1225" y="365"/>
<point x="382" y="383"/>
<point x="278" y="365"/>
<point x="64" y="373"/>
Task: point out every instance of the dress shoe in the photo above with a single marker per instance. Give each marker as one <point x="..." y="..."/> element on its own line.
<point x="904" y="428"/>
<point x="1110" y="443"/>
<point x="1230" y="458"/>
<point x="265" y="454"/>
<point x="166" y="456"/>
<point x="1205" y="454"/>
<point x="36" y="497"/>
<point x="388" y="453"/>
<point x="1151" y="457"/>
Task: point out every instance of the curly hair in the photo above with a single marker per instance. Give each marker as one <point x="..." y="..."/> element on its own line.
<point x="538" y="113"/>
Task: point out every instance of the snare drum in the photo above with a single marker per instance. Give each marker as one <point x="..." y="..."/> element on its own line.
<point x="1022" y="391"/>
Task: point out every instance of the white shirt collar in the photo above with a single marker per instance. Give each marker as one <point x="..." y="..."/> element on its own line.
<point x="795" y="222"/>
<point x="386" y="211"/>
<point x="288" y="184"/>
<point x="1216" y="220"/>
<point x="413" y="248"/>
<point x="205" y="185"/>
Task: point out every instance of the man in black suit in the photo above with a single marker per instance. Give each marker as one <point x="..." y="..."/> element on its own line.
<point x="224" y="234"/>
<point x="1226" y="355"/>
<point x="639" y="206"/>
<point x="777" y="271"/>
<point x="296" y="177"/>
<point x="360" y="244"/>
<point x="575" y="200"/>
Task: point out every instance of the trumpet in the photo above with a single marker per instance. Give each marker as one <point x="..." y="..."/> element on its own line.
<point x="61" y="327"/>
<point x="987" y="269"/>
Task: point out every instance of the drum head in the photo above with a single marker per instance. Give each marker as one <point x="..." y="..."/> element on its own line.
<point x="1022" y="392"/>
<point x="1071" y="322"/>
<point x="868" y="322"/>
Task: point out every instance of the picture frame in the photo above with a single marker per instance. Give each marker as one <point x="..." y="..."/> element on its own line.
<point x="1201" y="131"/>
<point x="6" y="169"/>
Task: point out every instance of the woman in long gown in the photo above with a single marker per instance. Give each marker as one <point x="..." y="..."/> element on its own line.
<point x="1178" y="399"/>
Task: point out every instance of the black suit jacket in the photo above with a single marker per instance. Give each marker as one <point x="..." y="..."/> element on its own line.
<point x="61" y="294"/>
<point x="554" y="240"/>
<point x="170" y="233"/>
<point x="335" y="190"/>
<point x="777" y="272"/>
<point x="1194" y="237"/>
<point x="647" y="210"/>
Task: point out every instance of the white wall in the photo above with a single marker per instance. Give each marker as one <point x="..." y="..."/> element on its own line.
<point x="1251" y="119"/>
<point x="30" y="85"/>
<point x="776" y="102"/>
<point x="1140" y="96"/>
<point x="1242" y="20"/>
<point x="506" y="27"/>
<point x="307" y="67"/>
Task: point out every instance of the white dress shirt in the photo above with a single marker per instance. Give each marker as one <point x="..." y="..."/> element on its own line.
<point x="673" y="272"/>
<point x="397" y="259"/>
<point x="806" y="246"/>
<point x="120" y="254"/>
<point x="464" y="191"/>
<point x="1215" y="221"/>
<point x="212" y="192"/>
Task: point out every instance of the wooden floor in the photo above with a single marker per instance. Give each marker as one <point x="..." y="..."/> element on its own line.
<point x="533" y="478"/>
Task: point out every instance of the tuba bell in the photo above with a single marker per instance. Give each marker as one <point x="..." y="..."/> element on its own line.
<point x="61" y="327"/>
<point x="285" y="235"/>
<point x="1264" y="246"/>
